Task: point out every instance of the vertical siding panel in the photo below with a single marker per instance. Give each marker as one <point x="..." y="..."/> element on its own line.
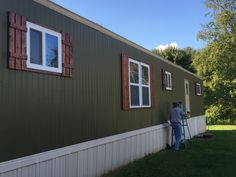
<point x="100" y="160"/>
<point x="92" y="162"/>
<point x="152" y="139"/>
<point x="121" y="156"/>
<point x="164" y="134"/>
<point x="161" y="139"/>
<point x="43" y="169"/>
<point x="37" y="170"/>
<point x="19" y="172"/>
<point x="196" y="126"/>
<point x="54" y="164"/>
<point x="148" y="136"/>
<point x="13" y="173"/>
<point x="137" y="148"/>
<point x="134" y="150"/>
<point x="83" y="163"/>
<point x="158" y="140"/>
<point x="164" y="138"/>
<point x="108" y="161"/>
<point x="49" y="168"/>
<point x="27" y="171"/>
<point x="32" y="171"/>
<point x="147" y="143"/>
<point x="60" y="166"/>
<point x="71" y="165"/>
<point x="6" y="174"/>
<point x="115" y="153"/>
<point x="143" y="144"/>
<point x="128" y="150"/>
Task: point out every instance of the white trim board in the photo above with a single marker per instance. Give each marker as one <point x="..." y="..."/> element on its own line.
<point x="37" y="158"/>
<point x="115" y="151"/>
<point x="100" y="28"/>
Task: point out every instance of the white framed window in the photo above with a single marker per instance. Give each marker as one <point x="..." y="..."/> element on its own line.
<point x="198" y="89"/>
<point x="168" y="81"/>
<point x="139" y="84"/>
<point x="44" y="49"/>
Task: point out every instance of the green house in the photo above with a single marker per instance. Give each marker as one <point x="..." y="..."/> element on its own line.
<point x="78" y="99"/>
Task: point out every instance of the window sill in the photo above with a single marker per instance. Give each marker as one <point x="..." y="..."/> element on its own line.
<point x="168" y="89"/>
<point x="143" y="107"/>
<point x="42" y="72"/>
<point x="42" y="68"/>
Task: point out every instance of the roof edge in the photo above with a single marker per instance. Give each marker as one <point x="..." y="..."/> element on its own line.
<point x="102" y="29"/>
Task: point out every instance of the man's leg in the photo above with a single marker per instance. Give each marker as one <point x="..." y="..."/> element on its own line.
<point x="178" y="133"/>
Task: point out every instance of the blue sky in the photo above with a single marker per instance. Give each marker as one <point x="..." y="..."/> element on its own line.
<point x="148" y="23"/>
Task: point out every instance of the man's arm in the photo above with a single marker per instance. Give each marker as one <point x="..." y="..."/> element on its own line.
<point x="182" y="113"/>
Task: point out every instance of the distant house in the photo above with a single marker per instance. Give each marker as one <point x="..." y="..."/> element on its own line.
<point x="78" y="99"/>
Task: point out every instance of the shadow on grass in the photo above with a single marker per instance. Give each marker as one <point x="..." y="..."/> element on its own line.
<point x="214" y="157"/>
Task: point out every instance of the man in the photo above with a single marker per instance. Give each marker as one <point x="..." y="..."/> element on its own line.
<point x="181" y="106"/>
<point x="175" y="119"/>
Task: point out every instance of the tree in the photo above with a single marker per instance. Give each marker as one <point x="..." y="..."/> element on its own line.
<point x="216" y="63"/>
<point x="182" y="57"/>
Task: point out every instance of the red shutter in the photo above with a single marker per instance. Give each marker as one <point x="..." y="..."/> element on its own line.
<point x="125" y="82"/>
<point x="152" y="85"/>
<point x="17" y="41"/>
<point x="163" y="79"/>
<point x="67" y="63"/>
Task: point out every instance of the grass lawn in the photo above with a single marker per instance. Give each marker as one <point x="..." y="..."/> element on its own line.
<point x="215" y="157"/>
<point x="221" y="127"/>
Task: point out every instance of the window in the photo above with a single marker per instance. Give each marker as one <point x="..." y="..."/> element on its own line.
<point x="43" y="49"/>
<point x="139" y="84"/>
<point x="198" y="89"/>
<point x="168" y="81"/>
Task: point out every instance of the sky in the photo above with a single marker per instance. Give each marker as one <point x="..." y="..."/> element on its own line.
<point x="149" y="23"/>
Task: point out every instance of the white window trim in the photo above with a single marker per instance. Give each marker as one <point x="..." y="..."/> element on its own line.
<point x="44" y="31"/>
<point x="168" y="87"/>
<point x="200" y="89"/>
<point x="140" y="85"/>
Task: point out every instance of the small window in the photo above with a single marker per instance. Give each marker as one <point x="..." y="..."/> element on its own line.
<point x="43" y="49"/>
<point x="139" y="82"/>
<point x="198" y="89"/>
<point x="168" y="80"/>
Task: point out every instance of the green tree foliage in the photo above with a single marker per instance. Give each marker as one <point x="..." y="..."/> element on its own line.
<point x="216" y="63"/>
<point x="182" y="57"/>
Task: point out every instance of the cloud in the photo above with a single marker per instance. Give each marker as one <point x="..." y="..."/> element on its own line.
<point x="165" y="46"/>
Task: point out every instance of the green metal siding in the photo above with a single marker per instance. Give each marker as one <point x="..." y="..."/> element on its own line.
<point x="41" y="112"/>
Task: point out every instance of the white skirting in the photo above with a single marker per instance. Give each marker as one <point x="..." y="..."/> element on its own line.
<point x="96" y="157"/>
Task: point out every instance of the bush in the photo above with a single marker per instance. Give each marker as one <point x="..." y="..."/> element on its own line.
<point x="221" y="115"/>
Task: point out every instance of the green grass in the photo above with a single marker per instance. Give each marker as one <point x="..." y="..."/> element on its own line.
<point x="221" y="127"/>
<point x="215" y="157"/>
